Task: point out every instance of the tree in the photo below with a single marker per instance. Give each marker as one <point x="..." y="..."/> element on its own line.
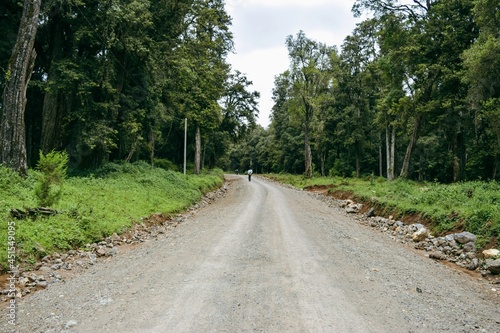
<point x="356" y="91"/>
<point x="53" y="168"/>
<point x="206" y="42"/>
<point x="482" y="69"/>
<point x="239" y="106"/>
<point x="288" y="155"/>
<point x="22" y="61"/>
<point x="436" y="33"/>
<point x="309" y="67"/>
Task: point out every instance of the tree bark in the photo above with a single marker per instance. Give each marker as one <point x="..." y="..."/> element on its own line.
<point x="307" y="153"/>
<point x="390" y="147"/>
<point x="54" y="101"/>
<point x="323" y="161"/>
<point x="409" y="150"/>
<point x="21" y="63"/>
<point x="152" y="140"/>
<point x="197" y="153"/>
<point x="358" y="160"/>
<point x="497" y="156"/>
<point x="380" y="163"/>
<point x="132" y="151"/>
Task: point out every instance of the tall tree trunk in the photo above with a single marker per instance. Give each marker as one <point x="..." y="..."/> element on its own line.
<point x="197" y="153"/>
<point x="132" y="151"/>
<point x="497" y="156"/>
<point x="380" y="163"/>
<point x="358" y="160"/>
<point x="458" y="156"/>
<point x="393" y="151"/>
<point x="54" y="101"/>
<point x="152" y="140"/>
<point x="21" y="63"/>
<point x="390" y="140"/>
<point x="323" y="160"/>
<point x="409" y="150"/>
<point x="307" y="153"/>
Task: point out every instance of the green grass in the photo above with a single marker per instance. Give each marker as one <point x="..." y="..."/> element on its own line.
<point x="470" y="206"/>
<point x="95" y="206"/>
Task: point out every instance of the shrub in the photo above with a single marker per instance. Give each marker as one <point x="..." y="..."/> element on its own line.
<point x="53" y="167"/>
<point x="165" y="164"/>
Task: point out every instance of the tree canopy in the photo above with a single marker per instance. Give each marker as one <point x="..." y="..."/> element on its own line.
<point x="115" y="79"/>
<point x="413" y="92"/>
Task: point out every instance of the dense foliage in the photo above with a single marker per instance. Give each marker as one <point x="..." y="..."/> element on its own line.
<point x="412" y="93"/>
<point x="114" y="80"/>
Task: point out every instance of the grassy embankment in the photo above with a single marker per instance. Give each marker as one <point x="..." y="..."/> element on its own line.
<point x="470" y="206"/>
<point x="94" y="206"/>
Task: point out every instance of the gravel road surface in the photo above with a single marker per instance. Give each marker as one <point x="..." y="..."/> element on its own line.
<point x="264" y="258"/>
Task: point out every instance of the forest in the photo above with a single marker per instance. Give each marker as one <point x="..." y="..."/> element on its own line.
<point x="413" y="92"/>
<point x="115" y="81"/>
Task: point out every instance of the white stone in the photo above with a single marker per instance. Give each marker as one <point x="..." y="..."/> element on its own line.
<point x="420" y="234"/>
<point x="491" y="253"/>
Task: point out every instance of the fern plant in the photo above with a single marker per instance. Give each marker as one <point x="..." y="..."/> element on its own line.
<point x="53" y="168"/>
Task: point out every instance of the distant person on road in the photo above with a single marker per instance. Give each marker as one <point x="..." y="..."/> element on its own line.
<point x="250" y="172"/>
<point x="237" y="171"/>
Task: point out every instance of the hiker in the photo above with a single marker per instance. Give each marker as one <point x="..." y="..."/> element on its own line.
<point x="250" y="172"/>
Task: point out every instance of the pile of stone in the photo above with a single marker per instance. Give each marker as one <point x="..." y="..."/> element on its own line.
<point x="459" y="248"/>
<point x="55" y="267"/>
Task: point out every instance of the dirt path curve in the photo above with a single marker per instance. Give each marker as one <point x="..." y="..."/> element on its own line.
<point x="265" y="258"/>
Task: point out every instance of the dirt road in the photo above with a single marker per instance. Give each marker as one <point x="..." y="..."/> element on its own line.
<point x="265" y="258"/>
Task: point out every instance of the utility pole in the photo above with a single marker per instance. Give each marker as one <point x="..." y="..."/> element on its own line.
<point x="185" y="142"/>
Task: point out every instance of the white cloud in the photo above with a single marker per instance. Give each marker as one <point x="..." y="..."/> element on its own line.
<point x="260" y="67"/>
<point x="260" y="28"/>
<point x="280" y="3"/>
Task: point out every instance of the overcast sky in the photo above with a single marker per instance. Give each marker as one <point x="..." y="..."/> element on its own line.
<point x="260" y="28"/>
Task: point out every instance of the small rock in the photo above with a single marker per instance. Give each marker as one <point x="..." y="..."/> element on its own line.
<point x="23" y="281"/>
<point x="370" y="212"/>
<point x="469" y="247"/>
<point x="438" y="256"/>
<point x="71" y="323"/>
<point x="493" y="266"/>
<point x="420" y="234"/>
<point x="417" y="226"/>
<point x="112" y="252"/>
<point x="45" y="270"/>
<point x="42" y="284"/>
<point x="472" y="264"/>
<point x="465" y="237"/>
<point x="491" y="253"/>
<point x="353" y="208"/>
